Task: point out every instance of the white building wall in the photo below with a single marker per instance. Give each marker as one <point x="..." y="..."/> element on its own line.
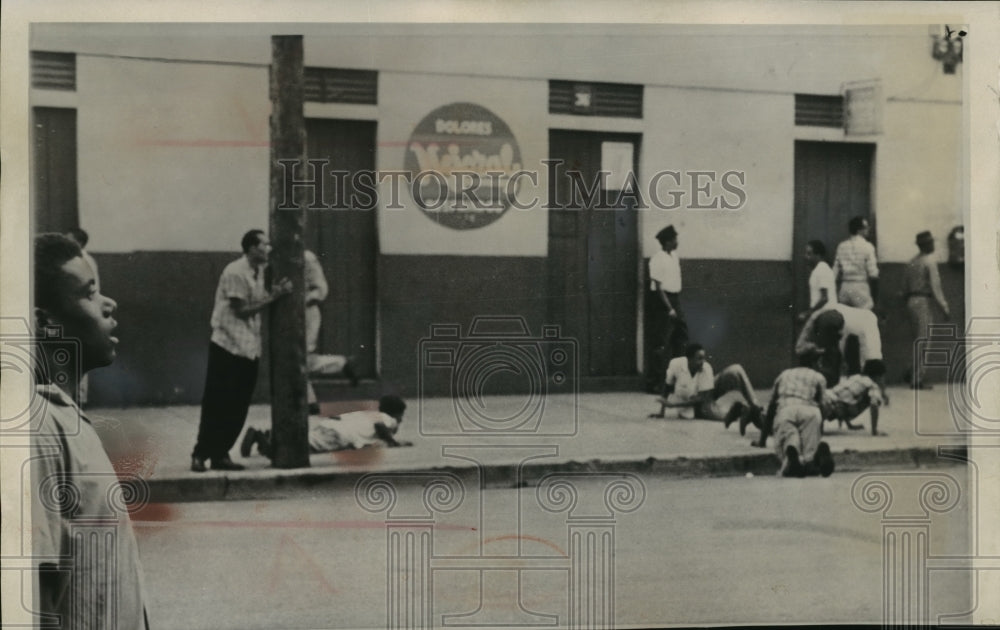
<point x="173" y="156"/>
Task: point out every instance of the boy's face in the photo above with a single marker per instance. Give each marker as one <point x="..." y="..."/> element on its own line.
<point x="85" y="314"/>
<point x="811" y="256"/>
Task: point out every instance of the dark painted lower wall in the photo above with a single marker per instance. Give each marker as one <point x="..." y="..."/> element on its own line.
<point x="740" y="310"/>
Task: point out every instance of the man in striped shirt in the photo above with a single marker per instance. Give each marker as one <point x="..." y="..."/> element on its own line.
<point x="795" y="419"/>
<point x="856" y="267"/>
<point x="854" y="395"/>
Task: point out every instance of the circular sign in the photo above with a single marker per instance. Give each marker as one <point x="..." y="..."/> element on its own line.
<point x="462" y="159"/>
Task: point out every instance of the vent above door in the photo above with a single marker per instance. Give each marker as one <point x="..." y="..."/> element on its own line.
<point x="621" y="100"/>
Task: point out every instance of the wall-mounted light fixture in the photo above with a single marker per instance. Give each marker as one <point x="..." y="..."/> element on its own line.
<point x="947" y="48"/>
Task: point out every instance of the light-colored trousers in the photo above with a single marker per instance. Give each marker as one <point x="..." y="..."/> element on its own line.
<point x="798" y="426"/>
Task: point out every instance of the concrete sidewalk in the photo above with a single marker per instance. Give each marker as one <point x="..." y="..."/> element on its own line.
<point x="612" y="434"/>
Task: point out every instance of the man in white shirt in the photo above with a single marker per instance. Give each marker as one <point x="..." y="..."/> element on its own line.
<point x="859" y="323"/>
<point x="668" y="330"/>
<point x="348" y="431"/>
<point x="692" y="388"/>
<point x="822" y="284"/>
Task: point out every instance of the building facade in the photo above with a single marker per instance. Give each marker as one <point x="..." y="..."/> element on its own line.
<point x="751" y="141"/>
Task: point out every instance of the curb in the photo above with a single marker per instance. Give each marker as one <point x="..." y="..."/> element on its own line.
<point x="278" y="484"/>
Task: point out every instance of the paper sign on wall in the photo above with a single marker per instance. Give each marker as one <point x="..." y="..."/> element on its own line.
<point x="616" y="161"/>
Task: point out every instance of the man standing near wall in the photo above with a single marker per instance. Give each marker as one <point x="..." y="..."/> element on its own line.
<point x="822" y="285"/>
<point x="668" y="328"/>
<point x="234" y="352"/>
<point x="856" y="267"/>
<point x="922" y="289"/>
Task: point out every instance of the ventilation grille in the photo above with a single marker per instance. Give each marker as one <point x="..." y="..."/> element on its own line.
<point x="53" y="71"/>
<point x="819" y="110"/>
<point x="334" y="85"/>
<point x="619" y="100"/>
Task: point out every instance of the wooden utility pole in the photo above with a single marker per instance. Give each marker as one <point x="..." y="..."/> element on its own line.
<point x="289" y="409"/>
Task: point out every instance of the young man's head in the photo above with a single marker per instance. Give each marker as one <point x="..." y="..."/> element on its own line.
<point x="256" y="246"/>
<point x="668" y="238"/>
<point x="815" y="252"/>
<point x="925" y="241"/>
<point x="695" y="354"/>
<point x="392" y="406"/>
<point x="858" y="225"/>
<point x="80" y="236"/>
<point x="66" y="295"/>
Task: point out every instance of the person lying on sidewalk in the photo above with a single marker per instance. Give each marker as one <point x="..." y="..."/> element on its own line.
<point x="353" y="430"/>
<point x="853" y="395"/>
<point x="795" y="419"/>
<point x="695" y="392"/>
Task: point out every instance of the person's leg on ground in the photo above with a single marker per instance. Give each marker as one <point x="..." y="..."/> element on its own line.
<point x="214" y="403"/>
<point x="243" y="384"/>
<point x="788" y="443"/>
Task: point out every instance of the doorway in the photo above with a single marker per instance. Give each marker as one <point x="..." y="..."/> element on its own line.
<point x="54" y="162"/>
<point x="344" y="237"/>
<point x="593" y="261"/>
<point x="833" y="183"/>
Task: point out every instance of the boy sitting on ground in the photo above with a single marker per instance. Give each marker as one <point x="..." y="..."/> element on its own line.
<point x="348" y="431"/>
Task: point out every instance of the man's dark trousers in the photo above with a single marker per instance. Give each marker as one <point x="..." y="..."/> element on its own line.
<point x="229" y="385"/>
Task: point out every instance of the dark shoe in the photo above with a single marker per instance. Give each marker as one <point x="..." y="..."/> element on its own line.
<point x="197" y="464"/>
<point x="793" y="467"/>
<point x="349" y="373"/>
<point x="264" y="443"/>
<point x="224" y="463"/>
<point x="736" y="411"/>
<point x="313" y="410"/>
<point x="248" y="441"/>
<point x="824" y="459"/>
<point x="752" y="416"/>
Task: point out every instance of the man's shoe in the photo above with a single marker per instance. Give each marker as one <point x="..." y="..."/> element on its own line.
<point x="248" y="441"/>
<point x="313" y="410"/>
<point x="792" y="467"/>
<point x="224" y="463"/>
<point x="736" y="411"/>
<point x="197" y="464"/>
<point x="752" y="416"/>
<point x="824" y="459"/>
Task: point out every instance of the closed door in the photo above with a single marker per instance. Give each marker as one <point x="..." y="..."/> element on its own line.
<point x="832" y="185"/>
<point x="343" y="236"/>
<point x="593" y="252"/>
<point x="54" y="163"/>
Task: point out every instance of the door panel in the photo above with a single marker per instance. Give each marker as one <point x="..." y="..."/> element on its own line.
<point x="832" y="185"/>
<point x="344" y="237"/>
<point x="54" y="162"/>
<point x="593" y="257"/>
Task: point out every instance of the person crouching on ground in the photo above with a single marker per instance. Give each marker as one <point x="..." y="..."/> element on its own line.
<point x="795" y="418"/>
<point x="695" y="392"/>
<point x="853" y="395"/>
<point x="348" y="431"/>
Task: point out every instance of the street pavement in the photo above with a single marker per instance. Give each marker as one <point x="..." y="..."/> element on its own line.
<point x="721" y="551"/>
<point x="591" y="431"/>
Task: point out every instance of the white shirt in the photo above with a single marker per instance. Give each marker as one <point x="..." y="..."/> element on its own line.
<point x="235" y="334"/>
<point x="863" y="323"/>
<point x="666" y="269"/>
<point x="822" y="278"/>
<point x="686" y="385"/>
<point x="350" y="430"/>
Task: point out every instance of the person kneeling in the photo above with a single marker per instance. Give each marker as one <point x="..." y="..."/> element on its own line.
<point x="794" y="416"/>
<point x="353" y="430"/>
